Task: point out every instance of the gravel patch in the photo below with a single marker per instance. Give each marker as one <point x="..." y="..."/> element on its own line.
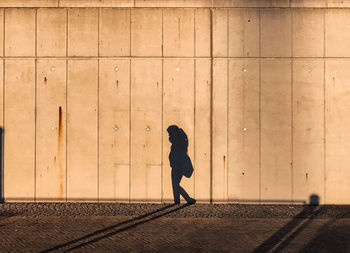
<point x="181" y="211"/>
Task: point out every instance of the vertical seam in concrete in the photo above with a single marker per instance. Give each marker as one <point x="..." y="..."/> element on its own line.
<point x="67" y="31"/>
<point x="35" y="99"/>
<point x="36" y="32"/>
<point x="162" y="147"/>
<point x="162" y="32"/>
<point x="66" y="105"/>
<point x="324" y="108"/>
<point x="194" y="33"/>
<point x="227" y="33"/>
<point x="194" y="125"/>
<point x="292" y="98"/>
<point x="194" y="100"/>
<point x="98" y="32"/>
<point x="35" y="124"/>
<point x="98" y="130"/>
<point x="211" y="106"/>
<point x="130" y="23"/>
<point x="227" y="99"/>
<point x="291" y="101"/>
<point x="3" y="32"/>
<point x="130" y="83"/>
<point x="98" y="104"/>
<point x="2" y="197"/>
<point x="129" y="197"/>
<point x="260" y="105"/>
<point x="243" y="31"/>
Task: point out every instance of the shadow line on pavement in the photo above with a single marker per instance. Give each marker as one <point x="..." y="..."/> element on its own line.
<point x="281" y="238"/>
<point x="108" y="231"/>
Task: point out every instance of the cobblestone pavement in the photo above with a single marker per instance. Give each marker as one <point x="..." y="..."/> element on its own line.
<point x="29" y="227"/>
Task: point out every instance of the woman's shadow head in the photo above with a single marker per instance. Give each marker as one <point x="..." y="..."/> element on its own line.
<point x="177" y="137"/>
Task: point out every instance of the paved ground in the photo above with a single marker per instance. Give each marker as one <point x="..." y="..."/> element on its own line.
<point x="168" y="228"/>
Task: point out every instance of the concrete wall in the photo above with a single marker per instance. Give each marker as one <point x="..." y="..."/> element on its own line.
<point x="260" y="87"/>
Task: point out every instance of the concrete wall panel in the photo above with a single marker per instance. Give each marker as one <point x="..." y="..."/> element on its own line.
<point x="337" y="32"/>
<point x="20" y="32"/>
<point x="178" y="109"/>
<point x="51" y="32"/>
<point x="201" y="160"/>
<point x="114" y="32"/>
<point x="82" y="131"/>
<point x="173" y="3"/>
<point x="243" y="32"/>
<point x="51" y="130"/>
<point x="308" y="33"/>
<point x="96" y="3"/>
<point x="276" y="130"/>
<point x="220" y="32"/>
<point x="243" y="130"/>
<point x="19" y="157"/>
<point x="83" y="32"/>
<point x="308" y="129"/>
<point x="114" y="129"/>
<point x="178" y="32"/>
<point x="251" y="3"/>
<point x="308" y="3"/>
<point x="146" y="32"/>
<point x="276" y="32"/>
<point x="219" y="130"/>
<point x="2" y="31"/>
<point x="337" y="175"/>
<point x="338" y="3"/>
<point x="146" y="129"/>
<point x="29" y="3"/>
<point x="202" y="32"/>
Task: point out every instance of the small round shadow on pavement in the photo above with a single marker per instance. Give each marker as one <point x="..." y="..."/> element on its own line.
<point x="314" y="200"/>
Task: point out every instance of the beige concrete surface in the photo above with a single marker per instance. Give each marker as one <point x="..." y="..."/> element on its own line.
<point x="50" y="130"/>
<point x="201" y="159"/>
<point x="20" y="32"/>
<point x="178" y="3"/>
<point x="202" y="22"/>
<point x="19" y="139"/>
<point x="308" y="128"/>
<point x="29" y="3"/>
<point x="220" y="31"/>
<point x="243" y="34"/>
<point x="276" y="32"/>
<point x="337" y="28"/>
<point x="51" y="32"/>
<point x="146" y="32"/>
<point x="219" y="130"/>
<point x="114" y="129"/>
<point x="308" y="33"/>
<point x="243" y="130"/>
<point x="83" y="32"/>
<point x="337" y="134"/>
<point x="276" y="130"/>
<point x="260" y="88"/>
<point x="178" y="32"/>
<point x="146" y="133"/>
<point x="114" y="32"/>
<point x="82" y="130"/>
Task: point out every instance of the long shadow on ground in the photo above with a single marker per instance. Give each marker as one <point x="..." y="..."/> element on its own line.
<point x="114" y="229"/>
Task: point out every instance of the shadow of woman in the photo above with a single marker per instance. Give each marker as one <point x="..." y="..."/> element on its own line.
<point x="180" y="162"/>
